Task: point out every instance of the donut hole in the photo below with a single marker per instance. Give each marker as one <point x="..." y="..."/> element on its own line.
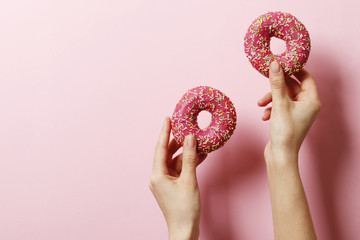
<point x="277" y="46"/>
<point x="204" y="119"/>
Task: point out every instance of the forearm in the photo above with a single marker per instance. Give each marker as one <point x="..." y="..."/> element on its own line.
<point x="291" y="214"/>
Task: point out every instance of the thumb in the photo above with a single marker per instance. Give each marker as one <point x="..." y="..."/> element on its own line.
<point x="188" y="171"/>
<point x="277" y="81"/>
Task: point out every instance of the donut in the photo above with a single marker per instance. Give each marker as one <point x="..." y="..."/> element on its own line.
<point x="283" y="26"/>
<point x="223" y="118"/>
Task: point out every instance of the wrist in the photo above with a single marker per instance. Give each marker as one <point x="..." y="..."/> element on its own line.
<point x="184" y="232"/>
<point x="280" y="155"/>
<point x="280" y="161"/>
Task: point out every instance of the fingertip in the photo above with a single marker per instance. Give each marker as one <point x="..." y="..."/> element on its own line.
<point x="189" y="159"/>
<point x="277" y="82"/>
<point x="189" y="148"/>
<point x="263" y="117"/>
<point x="166" y="120"/>
<point x="267" y="114"/>
<point x="190" y="141"/>
<point x="262" y="103"/>
<point x="164" y="135"/>
<point x="161" y="148"/>
<point x="275" y="67"/>
<point x="267" y="118"/>
<point x="265" y="100"/>
<point x="166" y="124"/>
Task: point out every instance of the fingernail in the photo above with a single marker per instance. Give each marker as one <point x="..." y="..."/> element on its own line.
<point x="275" y="67"/>
<point x="191" y="141"/>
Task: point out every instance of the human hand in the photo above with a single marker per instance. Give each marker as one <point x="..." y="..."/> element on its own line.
<point x="174" y="184"/>
<point x="295" y="106"/>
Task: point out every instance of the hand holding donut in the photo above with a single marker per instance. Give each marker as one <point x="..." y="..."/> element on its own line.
<point x="174" y="184"/>
<point x="295" y="105"/>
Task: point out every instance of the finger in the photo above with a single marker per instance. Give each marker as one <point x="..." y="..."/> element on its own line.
<point x="161" y="150"/>
<point x="188" y="172"/>
<point x="176" y="164"/>
<point x="277" y="81"/>
<point x="267" y="114"/>
<point x="293" y="87"/>
<point x="303" y="75"/>
<point x="265" y="100"/>
<point x="307" y="81"/>
<point x="173" y="147"/>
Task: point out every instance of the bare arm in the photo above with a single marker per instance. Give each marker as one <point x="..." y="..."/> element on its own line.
<point x="174" y="184"/>
<point x="295" y="105"/>
<point x="291" y="214"/>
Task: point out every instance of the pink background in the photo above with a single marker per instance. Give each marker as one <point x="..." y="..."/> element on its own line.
<point x="85" y="85"/>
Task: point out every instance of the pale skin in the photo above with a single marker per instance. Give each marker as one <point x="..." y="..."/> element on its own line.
<point x="295" y="105"/>
<point x="174" y="184"/>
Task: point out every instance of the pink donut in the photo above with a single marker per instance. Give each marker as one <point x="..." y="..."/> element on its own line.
<point x="280" y="25"/>
<point x="223" y="120"/>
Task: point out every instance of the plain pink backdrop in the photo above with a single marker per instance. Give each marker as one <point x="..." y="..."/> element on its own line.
<point x="84" y="88"/>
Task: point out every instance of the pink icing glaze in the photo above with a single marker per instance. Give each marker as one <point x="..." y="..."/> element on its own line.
<point x="280" y="25"/>
<point x="223" y="122"/>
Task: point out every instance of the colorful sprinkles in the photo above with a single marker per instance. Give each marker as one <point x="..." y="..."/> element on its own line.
<point x="223" y="122"/>
<point x="283" y="26"/>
